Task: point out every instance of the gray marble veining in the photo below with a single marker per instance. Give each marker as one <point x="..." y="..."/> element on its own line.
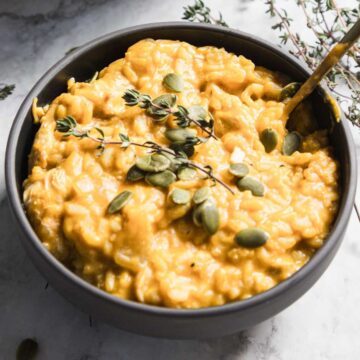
<point x="323" y="324"/>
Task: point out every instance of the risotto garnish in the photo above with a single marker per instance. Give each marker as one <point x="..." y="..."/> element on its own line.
<point x="170" y="178"/>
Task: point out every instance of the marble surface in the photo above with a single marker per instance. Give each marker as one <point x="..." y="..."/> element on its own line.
<point x="323" y="324"/>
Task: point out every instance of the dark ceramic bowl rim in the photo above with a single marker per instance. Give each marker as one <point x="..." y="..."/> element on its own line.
<point x="339" y="225"/>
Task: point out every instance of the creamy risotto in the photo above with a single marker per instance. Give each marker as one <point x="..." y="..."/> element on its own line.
<point x="221" y="202"/>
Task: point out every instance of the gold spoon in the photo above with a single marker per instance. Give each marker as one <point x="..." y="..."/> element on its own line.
<point x="331" y="59"/>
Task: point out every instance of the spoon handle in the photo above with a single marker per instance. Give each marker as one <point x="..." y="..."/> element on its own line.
<point x="332" y="58"/>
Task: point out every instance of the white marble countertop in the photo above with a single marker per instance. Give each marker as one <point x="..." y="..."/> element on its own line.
<point x="323" y="324"/>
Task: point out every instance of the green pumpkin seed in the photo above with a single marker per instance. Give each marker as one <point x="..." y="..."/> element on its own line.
<point x="249" y="183"/>
<point x="162" y="179"/>
<point x="180" y="135"/>
<point x="269" y="139"/>
<point x="292" y="142"/>
<point x="207" y="215"/>
<point x="201" y="195"/>
<point x="173" y="82"/>
<point x="135" y="174"/>
<point x="153" y="163"/>
<point x="186" y="174"/>
<point x="27" y="350"/>
<point x="197" y="112"/>
<point x="289" y="90"/>
<point x="180" y="196"/>
<point x="239" y="170"/>
<point x="251" y="238"/>
<point x="197" y="215"/>
<point x="119" y="202"/>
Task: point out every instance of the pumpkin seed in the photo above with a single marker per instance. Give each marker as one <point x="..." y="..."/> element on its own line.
<point x="197" y="112"/>
<point x="173" y="82"/>
<point x="135" y="174"/>
<point x="119" y="202"/>
<point x="201" y="195"/>
<point x="27" y="350"/>
<point x="186" y="173"/>
<point x="153" y="163"/>
<point x="162" y="179"/>
<point x="251" y="238"/>
<point x="210" y="217"/>
<point x="196" y="215"/>
<point x="239" y="170"/>
<point x="292" y="142"/>
<point x="180" y="135"/>
<point x="249" y="183"/>
<point x="180" y="196"/>
<point x="269" y="139"/>
<point x="289" y="90"/>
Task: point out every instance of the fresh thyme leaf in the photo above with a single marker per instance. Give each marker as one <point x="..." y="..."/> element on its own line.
<point x="100" y="131"/>
<point x="201" y="13"/>
<point x="125" y="140"/>
<point x="161" y="107"/>
<point x="66" y="125"/>
<point x="6" y="90"/>
<point x="132" y="98"/>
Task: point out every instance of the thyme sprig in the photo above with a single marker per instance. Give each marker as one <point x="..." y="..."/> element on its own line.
<point x="6" y="90"/>
<point x="328" y="23"/>
<point x="68" y="126"/>
<point x="164" y="105"/>
<point x="201" y="13"/>
<point x="318" y="14"/>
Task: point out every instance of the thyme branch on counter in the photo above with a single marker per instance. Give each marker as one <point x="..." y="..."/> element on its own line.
<point x="6" y="90"/>
<point x="164" y="105"/>
<point x="328" y="22"/>
<point x="318" y="14"/>
<point x="176" y="157"/>
<point x="201" y="13"/>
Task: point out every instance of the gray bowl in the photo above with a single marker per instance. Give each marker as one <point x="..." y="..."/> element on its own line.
<point x="146" y="319"/>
